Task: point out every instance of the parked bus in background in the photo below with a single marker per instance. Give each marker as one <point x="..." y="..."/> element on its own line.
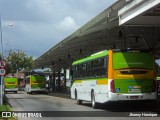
<point x="158" y="78"/>
<point x="35" y="84"/>
<point x="11" y="84"/>
<point x="115" y="75"/>
<point x="158" y="85"/>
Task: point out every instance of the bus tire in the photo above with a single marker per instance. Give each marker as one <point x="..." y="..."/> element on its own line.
<point x="79" y="102"/>
<point x="94" y="104"/>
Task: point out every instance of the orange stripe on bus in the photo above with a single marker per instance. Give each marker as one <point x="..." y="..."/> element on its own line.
<point x="102" y="82"/>
<point x="78" y="81"/>
<point x="110" y="68"/>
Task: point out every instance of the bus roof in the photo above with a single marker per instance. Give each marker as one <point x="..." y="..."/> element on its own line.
<point x="92" y="57"/>
<point x="34" y="75"/>
<point x="105" y="52"/>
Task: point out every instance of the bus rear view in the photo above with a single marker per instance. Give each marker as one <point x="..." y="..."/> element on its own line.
<point x="132" y="76"/>
<point x="35" y="83"/>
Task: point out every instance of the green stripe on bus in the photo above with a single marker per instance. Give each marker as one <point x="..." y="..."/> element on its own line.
<point x="98" y="55"/>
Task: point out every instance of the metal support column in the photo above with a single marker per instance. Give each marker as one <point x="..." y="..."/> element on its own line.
<point x="59" y="81"/>
<point x="65" y="79"/>
<point x="54" y="80"/>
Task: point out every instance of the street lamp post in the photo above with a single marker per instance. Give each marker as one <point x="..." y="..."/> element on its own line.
<point x="1" y="37"/>
<point x="1" y="77"/>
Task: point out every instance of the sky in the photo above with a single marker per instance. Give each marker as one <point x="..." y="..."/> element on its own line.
<point x="34" y="26"/>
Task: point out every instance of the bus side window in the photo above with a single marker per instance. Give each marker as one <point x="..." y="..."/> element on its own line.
<point x="105" y="66"/>
<point x="95" y="66"/>
<point x="102" y="67"/>
<point x="73" y="72"/>
<point x="88" y="69"/>
<point x="99" y="68"/>
<point x="84" y="66"/>
<point x="91" y="70"/>
<point x="99" y="62"/>
<point x="78" y="71"/>
<point x="105" y="62"/>
<point x="91" y="64"/>
<point x="83" y="70"/>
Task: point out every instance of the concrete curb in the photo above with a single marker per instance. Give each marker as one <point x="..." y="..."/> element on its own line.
<point x="7" y="101"/>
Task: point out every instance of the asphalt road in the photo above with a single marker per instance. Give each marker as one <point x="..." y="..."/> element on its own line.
<point x="67" y="109"/>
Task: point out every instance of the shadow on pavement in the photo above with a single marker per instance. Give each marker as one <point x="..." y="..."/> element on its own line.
<point x="60" y="94"/>
<point x="129" y="106"/>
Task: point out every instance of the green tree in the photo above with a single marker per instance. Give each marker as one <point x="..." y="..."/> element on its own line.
<point x="17" y="60"/>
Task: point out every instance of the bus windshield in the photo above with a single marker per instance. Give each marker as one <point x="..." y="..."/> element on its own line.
<point x="38" y="79"/>
<point x="143" y="60"/>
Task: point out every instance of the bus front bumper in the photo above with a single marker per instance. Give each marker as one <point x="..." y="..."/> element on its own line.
<point x="38" y="90"/>
<point x="11" y="89"/>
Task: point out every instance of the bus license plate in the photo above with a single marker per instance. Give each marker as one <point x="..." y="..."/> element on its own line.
<point x="134" y="97"/>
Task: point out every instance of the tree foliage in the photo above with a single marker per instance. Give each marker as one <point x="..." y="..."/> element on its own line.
<point x="18" y="60"/>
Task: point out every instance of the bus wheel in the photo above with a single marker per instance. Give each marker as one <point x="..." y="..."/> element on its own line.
<point x="94" y="104"/>
<point x="79" y="102"/>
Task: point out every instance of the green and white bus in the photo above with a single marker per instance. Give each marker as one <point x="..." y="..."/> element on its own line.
<point x="11" y="84"/>
<point x="35" y="84"/>
<point x="115" y="75"/>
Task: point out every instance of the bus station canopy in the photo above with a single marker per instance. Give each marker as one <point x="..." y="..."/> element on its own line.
<point x="125" y="24"/>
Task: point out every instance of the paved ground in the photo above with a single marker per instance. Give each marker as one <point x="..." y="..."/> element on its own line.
<point x="54" y="102"/>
